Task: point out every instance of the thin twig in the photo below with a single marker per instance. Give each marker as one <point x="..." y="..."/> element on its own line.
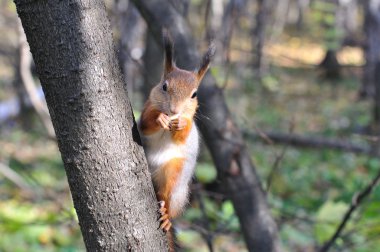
<point x="275" y="166"/>
<point x="279" y="158"/>
<point x="13" y="176"/>
<point x="262" y="135"/>
<point x="206" y="234"/>
<point x="357" y="199"/>
<point x="232" y="16"/>
<point x="351" y="244"/>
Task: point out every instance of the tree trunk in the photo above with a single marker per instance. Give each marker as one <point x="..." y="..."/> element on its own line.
<point x="258" y="35"/>
<point x="376" y="109"/>
<point x="347" y="20"/>
<point x="302" y="6"/>
<point x="232" y="12"/>
<point x="330" y="65"/>
<point x="235" y="169"/>
<point x="153" y="64"/>
<point x="372" y="46"/>
<point x="105" y="164"/>
<point x="131" y="28"/>
<point x="182" y="6"/>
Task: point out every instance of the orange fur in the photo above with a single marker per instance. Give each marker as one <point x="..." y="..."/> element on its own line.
<point x="165" y="179"/>
<point x="148" y="123"/>
<point x="180" y="136"/>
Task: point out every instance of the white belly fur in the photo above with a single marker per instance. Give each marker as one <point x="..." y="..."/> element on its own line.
<point x="159" y="149"/>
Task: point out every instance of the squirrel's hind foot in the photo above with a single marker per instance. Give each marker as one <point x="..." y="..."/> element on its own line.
<point x="164" y="219"/>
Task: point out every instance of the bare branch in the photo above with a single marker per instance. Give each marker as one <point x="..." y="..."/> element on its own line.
<point x="357" y="199"/>
<point x="13" y="176"/>
<point x="279" y="158"/>
<point x="206" y="234"/>
<point x="310" y="142"/>
<point x="29" y="84"/>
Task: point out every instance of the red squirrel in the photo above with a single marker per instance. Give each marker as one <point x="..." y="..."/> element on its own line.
<point x="169" y="133"/>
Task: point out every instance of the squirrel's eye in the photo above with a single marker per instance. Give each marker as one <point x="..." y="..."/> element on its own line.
<point x="194" y="95"/>
<point x="165" y="86"/>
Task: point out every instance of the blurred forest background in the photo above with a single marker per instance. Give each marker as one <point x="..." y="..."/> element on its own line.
<point x="302" y="81"/>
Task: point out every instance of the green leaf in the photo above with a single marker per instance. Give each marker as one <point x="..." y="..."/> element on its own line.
<point x="228" y="209"/>
<point x="192" y="214"/>
<point x="295" y="235"/>
<point x="188" y="236"/>
<point x="271" y="83"/>
<point x="328" y="218"/>
<point x="374" y="163"/>
<point x="205" y="173"/>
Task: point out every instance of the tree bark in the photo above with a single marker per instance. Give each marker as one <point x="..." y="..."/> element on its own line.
<point x="235" y="169"/>
<point x="153" y="63"/>
<point x="330" y="65"/>
<point x="376" y="108"/>
<point x="371" y="75"/>
<point x="232" y="13"/>
<point x="372" y="46"/>
<point x="377" y="96"/>
<point x="258" y="35"/>
<point x="105" y="164"/>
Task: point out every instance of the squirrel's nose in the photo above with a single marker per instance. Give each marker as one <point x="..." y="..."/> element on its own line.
<point x="174" y="110"/>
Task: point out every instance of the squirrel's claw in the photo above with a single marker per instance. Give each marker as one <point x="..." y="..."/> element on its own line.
<point x="178" y="124"/>
<point x="164" y="219"/>
<point x="164" y="121"/>
<point x="165" y="225"/>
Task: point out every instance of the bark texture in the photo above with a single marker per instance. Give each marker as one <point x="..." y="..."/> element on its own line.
<point x="235" y="169"/>
<point x="153" y="64"/>
<point x="105" y="164"/>
<point x="330" y="65"/>
<point x="372" y="46"/>
<point x="376" y="109"/>
<point x="258" y="34"/>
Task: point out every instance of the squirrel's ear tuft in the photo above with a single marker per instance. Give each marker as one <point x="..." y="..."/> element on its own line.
<point x="206" y="61"/>
<point x="168" y="45"/>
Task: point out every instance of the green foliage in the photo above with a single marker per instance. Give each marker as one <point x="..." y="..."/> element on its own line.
<point x="271" y="83"/>
<point x="42" y="219"/>
<point x="328" y="218"/>
<point x="35" y="228"/>
<point x="205" y="173"/>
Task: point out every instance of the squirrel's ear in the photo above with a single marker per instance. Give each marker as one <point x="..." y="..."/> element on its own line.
<point x="206" y="61"/>
<point x="168" y="44"/>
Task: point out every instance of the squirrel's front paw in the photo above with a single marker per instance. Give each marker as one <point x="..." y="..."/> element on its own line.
<point x="164" y="121"/>
<point x="178" y="123"/>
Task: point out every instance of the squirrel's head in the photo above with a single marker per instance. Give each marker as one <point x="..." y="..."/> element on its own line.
<point x="177" y="91"/>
